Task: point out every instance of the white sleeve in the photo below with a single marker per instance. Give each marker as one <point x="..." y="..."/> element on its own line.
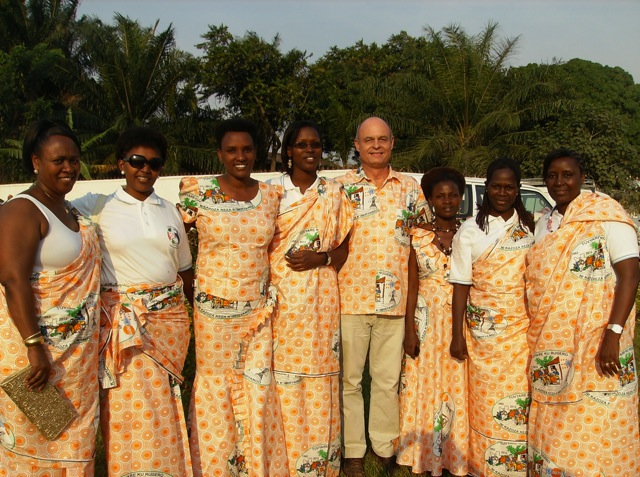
<point x="461" y="258"/>
<point x="86" y="203"/>
<point x="621" y="239"/>
<point x="185" y="261"/>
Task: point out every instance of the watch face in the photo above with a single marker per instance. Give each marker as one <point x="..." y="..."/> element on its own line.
<point x="617" y="329"/>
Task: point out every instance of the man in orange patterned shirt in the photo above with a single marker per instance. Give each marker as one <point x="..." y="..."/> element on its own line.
<point x="373" y="284"/>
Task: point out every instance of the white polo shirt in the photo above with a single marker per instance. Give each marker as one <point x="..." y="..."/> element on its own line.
<point x="292" y="192"/>
<point x="141" y="241"/>
<point x="470" y="242"/>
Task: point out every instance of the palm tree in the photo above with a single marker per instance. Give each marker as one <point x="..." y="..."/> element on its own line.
<point x="133" y="75"/>
<point x="466" y="106"/>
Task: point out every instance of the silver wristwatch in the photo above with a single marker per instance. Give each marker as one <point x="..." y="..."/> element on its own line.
<point x="617" y="329"/>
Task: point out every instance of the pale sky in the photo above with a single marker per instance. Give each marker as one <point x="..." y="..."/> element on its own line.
<point x="602" y="31"/>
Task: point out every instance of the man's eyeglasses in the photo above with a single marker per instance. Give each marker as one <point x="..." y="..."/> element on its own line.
<point x="304" y="145"/>
<point x="138" y="161"/>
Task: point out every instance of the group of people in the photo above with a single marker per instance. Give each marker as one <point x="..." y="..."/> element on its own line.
<point x="495" y="347"/>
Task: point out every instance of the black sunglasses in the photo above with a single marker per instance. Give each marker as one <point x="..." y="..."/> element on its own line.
<point x="138" y="161"/>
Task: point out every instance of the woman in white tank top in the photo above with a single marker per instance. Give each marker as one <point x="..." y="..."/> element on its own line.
<point x="50" y="276"/>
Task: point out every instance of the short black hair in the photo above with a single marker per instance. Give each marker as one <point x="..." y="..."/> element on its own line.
<point x="141" y="136"/>
<point x="38" y="133"/>
<point x="290" y="136"/>
<point x="435" y="176"/>
<point x="559" y="153"/>
<point x="236" y="125"/>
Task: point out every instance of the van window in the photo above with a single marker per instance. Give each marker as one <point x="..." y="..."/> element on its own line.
<point x="535" y="202"/>
<point x="465" y="206"/>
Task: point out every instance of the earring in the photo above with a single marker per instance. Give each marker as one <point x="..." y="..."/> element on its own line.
<point x="36" y="171"/>
<point x="121" y="172"/>
<point x="290" y="164"/>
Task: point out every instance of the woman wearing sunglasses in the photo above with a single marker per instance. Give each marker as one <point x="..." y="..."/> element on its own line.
<point x="146" y="274"/>
<point x="315" y="217"/>
<point x="234" y="415"/>
<point x="50" y="276"/>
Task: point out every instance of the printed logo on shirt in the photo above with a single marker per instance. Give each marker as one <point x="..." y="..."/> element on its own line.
<point x="406" y="218"/>
<point x="443" y="422"/>
<point x="363" y="199"/>
<point x="512" y="412"/>
<point x="335" y="344"/>
<point x="485" y="322"/>
<point x="507" y="459"/>
<point x="307" y="239"/>
<point x="628" y="374"/>
<point x="590" y="260"/>
<point x="519" y="238"/>
<point x="63" y="327"/>
<point x="173" y="236"/>
<point x="7" y="438"/>
<point x="286" y="379"/>
<point x="540" y="465"/>
<point x="421" y="318"/>
<point x="261" y="376"/>
<point x="318" y="460"/>
<point x="388" y="293"/>
<point x="551" y="371"/>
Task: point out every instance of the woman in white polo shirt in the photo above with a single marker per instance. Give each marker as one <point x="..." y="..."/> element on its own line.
<point x="487" y="272"/>
<point x="146" y="273"/>
<point x="582" y="278"/>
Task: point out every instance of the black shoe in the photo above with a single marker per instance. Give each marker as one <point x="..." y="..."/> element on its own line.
<point x="388" y="463"/>
<point x="353" y="467"/>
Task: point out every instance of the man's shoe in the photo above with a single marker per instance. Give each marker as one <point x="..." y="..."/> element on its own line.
<point x="388" y="463"/>
<point x="353" y="467"/>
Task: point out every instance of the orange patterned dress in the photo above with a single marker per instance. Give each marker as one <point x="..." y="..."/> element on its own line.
<point x="497" y="325"/>
<point x="581" y="423"/>
<point x="144" y="337"/>
<point x="306" y="329"/>
<point x="434" y="427"/>
<point x="67" y="311"/>
<point x="234" y="416"/>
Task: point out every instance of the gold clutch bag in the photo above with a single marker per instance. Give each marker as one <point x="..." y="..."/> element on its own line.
<point x="49" y="411"/>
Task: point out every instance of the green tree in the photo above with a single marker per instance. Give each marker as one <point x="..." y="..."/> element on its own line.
<point x="36" y="40"/>
<point x="466" y="106"/>
<point x="253" y="78"/>
<point x="135" y="75"/>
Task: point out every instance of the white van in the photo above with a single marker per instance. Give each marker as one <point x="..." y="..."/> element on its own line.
<point x="536" y="199"/>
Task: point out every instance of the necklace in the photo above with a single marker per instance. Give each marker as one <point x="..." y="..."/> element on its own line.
<point x="436" y="228"/>
<point x="64" y="203"/>
<point x="446" y="250"/>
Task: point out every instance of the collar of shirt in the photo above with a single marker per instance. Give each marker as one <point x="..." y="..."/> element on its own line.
<point x="361" y="175"/>
<point x="288" y="184"/>
<point x="500" y="221"/>
<point x="122" y="196"/>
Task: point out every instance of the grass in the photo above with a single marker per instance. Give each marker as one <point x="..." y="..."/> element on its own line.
<point x="372" y="468"/>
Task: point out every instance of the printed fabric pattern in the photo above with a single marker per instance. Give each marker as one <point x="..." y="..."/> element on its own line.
<point x="67" y="310"/>
<point x="144" y="340"/>
<point x="383" y="218"/>
<point x="497" y="324"/>
<point x="234" y="416"/>
<point x="582" y="422"/>
<point x="307" y="329"/>
<point x="434" y="430"/>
